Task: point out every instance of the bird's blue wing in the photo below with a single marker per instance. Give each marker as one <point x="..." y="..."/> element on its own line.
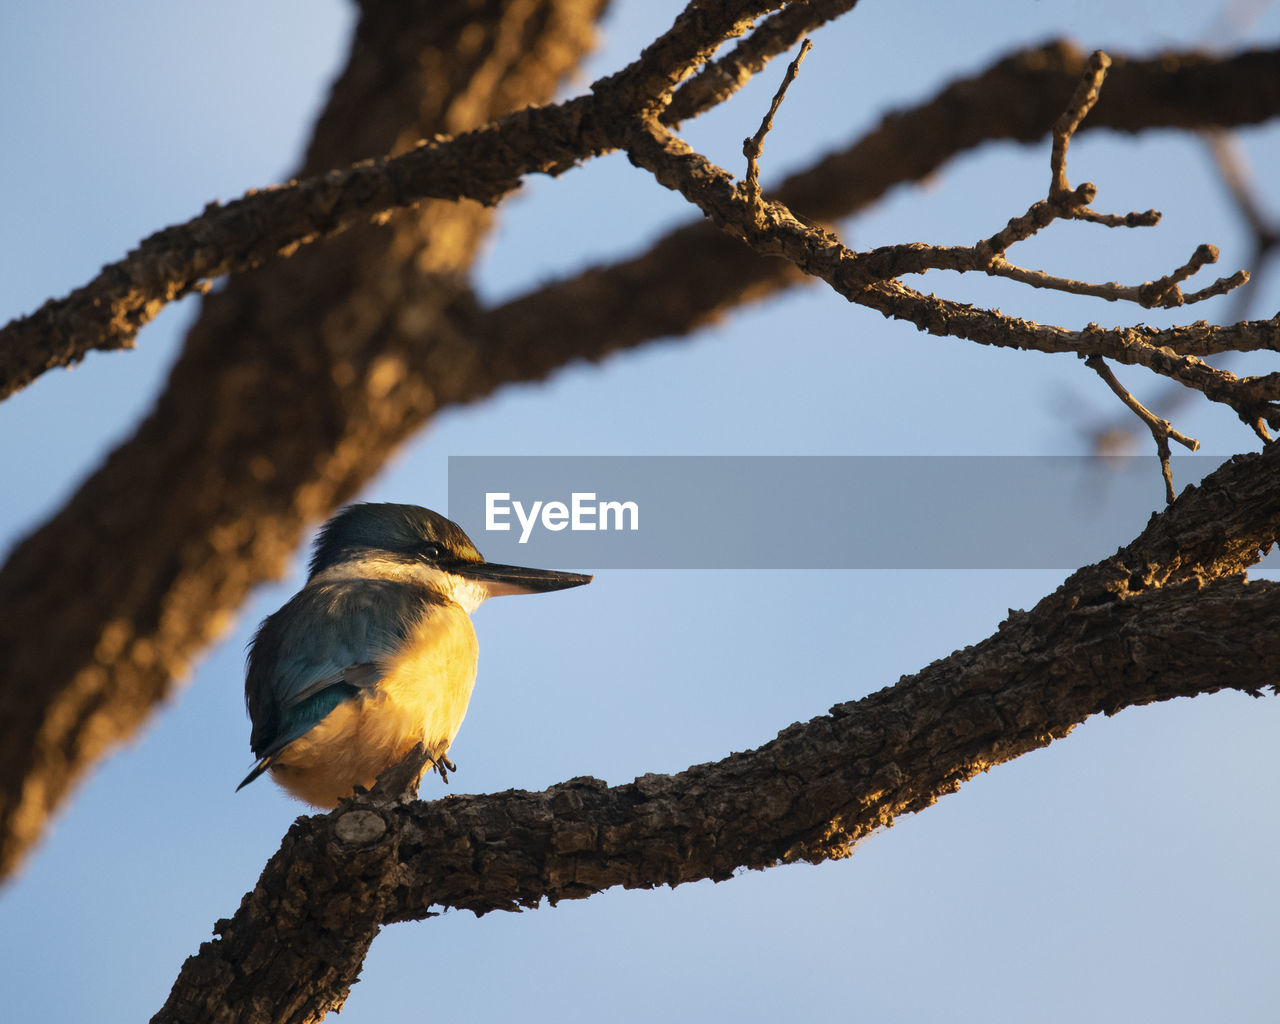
<point x="326" y="646"/>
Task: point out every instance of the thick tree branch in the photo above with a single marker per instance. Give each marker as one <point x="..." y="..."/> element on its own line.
<point x="486" y="164"/>
<point x="1148" y="624"/>
<point x="483" y="165"/>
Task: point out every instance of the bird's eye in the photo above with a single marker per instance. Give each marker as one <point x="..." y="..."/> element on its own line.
<point x="431" y="550"/>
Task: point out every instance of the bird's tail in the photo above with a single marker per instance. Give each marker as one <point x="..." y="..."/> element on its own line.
<point x="258" y="769"/>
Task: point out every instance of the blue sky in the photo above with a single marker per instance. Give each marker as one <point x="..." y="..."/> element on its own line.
<point x="1124" y="873"/>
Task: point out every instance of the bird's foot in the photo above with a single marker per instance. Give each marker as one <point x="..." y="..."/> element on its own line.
<point x="443" y="765"/>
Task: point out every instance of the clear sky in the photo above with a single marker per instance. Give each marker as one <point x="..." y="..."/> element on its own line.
<point x="1125" y="873"/>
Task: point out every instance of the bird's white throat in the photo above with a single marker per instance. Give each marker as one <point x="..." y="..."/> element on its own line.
<point x="468" y="594"/>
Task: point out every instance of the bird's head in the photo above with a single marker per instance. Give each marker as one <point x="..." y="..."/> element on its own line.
<point x="430" y="547"/>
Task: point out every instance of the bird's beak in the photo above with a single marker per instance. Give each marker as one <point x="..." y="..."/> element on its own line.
<point x="498" y="580"/>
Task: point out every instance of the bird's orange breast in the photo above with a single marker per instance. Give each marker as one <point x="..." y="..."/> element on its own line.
<point x="422" y="697"/>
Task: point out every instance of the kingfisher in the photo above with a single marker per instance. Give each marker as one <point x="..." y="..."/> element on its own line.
<point x="376" y="654"/>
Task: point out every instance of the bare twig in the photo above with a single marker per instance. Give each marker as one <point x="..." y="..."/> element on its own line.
<point x="1039" y="216"/>
<point x="987" y="256"/>
<point x="1134" y="219"/>
<point x="752" y="147"/>
<point x="1234" y="170"/>
<point x="721" y="78"/>
<point x="1165" y="291"/>
<point x="1160" y="429"/>
<point x="1162" y="294"/>
<point x="1233" y="167"/>
<point x="1235" y="175"/>
<point x="867" y="278"/>
<point x="1082" y="101"/>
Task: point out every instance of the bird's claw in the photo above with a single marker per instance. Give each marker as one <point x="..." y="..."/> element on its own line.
<point x="443" y="765"/>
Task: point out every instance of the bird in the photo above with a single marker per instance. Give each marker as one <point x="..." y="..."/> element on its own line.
<point x="375" y="657"/>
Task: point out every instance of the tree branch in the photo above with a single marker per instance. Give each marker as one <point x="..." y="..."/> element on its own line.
<point x="483" y="165"/>
<point x="771" y="229"/>
<point x="697" y="273"/>
<point x="486" y="164"/>
<point x="754" y="146"/>
<point x="1161" y="429"/>
<point x="721" y="78"/>
<point x="1143" y="626"/>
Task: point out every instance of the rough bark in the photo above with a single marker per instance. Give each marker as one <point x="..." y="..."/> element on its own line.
<point x="1169" y="615"/>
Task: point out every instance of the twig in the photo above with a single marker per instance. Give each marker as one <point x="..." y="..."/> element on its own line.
<point x="1082" y="101"/>
<point x="721" y="78"/>
<point x="1160" y="429"/>
<point x="1162" y="291"/>
<point x="1040" y="215"/>
<point x="1241" y="187"/>
<point x="869" y="279"/>
<point x="1161" y="294"/>
<point x="752" y="147"/>
<point x="1135" y="219"/>
<point x="1062" y="202"/>
<point x="1234" y="169"/>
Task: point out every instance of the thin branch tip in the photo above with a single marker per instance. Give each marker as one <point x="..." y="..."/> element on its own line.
<point x="1082" y="101"/>
<point x="753" y="146"/>
<point x="1161" y="429"/>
